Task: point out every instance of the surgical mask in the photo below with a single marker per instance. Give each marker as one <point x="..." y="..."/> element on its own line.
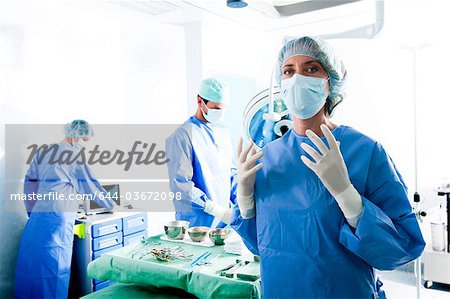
<point x="213" y="115"/>
<point x="304" y="96"/>
<point x="78" y="146"/>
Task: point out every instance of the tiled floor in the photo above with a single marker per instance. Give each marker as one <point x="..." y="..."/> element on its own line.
<point x="401" y="285"/>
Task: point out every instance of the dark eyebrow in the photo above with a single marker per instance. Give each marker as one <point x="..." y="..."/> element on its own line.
<point x="311" y="61"/>
<point x="307" y="62"/>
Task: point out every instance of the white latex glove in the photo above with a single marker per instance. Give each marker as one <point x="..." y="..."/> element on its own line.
<point x="246" y="179"/>
<point x="332" y="171"/>
<point x="218" y="211"/>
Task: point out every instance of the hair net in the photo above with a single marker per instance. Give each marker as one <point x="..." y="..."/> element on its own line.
<point x="214" y="90"/>
<point x="78" y="128"/>
<point x="321" y="51"/>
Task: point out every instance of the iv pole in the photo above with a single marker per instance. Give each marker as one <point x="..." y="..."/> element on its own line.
<point x="419" y="213"/>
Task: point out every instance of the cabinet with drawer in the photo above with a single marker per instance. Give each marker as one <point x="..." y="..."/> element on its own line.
<point x="97" y="235"/>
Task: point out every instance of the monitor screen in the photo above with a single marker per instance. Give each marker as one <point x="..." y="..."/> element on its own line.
<point x="113" y="192"/>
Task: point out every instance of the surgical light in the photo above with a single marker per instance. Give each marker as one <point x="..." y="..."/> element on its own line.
<point x="236" y="3"/>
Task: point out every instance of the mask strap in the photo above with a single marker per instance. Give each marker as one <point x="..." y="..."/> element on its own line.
<point x="204" y="104"/>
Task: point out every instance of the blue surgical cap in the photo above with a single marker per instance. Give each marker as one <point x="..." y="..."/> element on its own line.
<point x="78" y="128"/>
<point x="214" y="90"/>
<point x="318" y="49"/>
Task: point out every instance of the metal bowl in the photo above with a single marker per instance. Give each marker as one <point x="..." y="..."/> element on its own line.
<point x="176" y="229"/>
<point x="198" y="233"/>
<point x="219" y="235"/>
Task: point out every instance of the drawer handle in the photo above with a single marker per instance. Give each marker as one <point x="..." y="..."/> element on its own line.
<point x="108" y="228"/>
<point x="108" y="242"/>
<point x="136" y="222"/>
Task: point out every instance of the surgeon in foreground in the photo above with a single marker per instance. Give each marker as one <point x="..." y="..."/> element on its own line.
<point x="43" y="263"/>
<point x="324" y="205"/>
<point x="200" y="163"/>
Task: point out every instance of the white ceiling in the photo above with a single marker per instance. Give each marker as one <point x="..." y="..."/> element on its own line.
<point x="261" y="14"/>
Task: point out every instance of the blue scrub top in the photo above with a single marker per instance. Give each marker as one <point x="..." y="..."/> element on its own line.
<point x="306" y="246"/>
<point x="201" y="168"/>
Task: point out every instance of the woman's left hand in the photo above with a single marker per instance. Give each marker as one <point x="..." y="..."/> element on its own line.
<point x="329" y="165"/>
<point x="332" y="171"/>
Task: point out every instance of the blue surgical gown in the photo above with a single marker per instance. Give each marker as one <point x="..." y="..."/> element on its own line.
<point x="200" y="168"/>
<point x="307" y="248"/>
<point x="43" y="263"/>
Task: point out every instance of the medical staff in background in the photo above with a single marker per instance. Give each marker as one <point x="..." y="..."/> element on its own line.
<point x="200" y="161"/>
<point x="43" y="264"/>
<point x="324" y="205"/>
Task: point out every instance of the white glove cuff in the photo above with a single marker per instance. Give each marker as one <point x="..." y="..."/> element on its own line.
<point x="226" y="218"/>
<point x="213" y="209"/>
<point x="218" y="211"/>
<point x="350" y="202"/>
<point x="246" y="205"/>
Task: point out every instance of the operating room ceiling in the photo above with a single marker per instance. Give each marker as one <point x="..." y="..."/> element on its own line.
<point x="262" y="15"/>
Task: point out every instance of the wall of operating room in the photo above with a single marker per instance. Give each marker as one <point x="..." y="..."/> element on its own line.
<point x="108" y="64"/>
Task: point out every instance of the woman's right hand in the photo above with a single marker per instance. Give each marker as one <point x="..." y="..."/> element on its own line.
<point x="247" y="168"/>
<point x="246" y="178"/>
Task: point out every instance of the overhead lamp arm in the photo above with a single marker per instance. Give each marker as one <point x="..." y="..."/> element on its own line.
<point x="368" y="31"/>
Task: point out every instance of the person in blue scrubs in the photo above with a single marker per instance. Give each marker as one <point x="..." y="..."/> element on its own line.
<point x="200" y="164"/>
<point x="324" y="205"/>
<point x="43" y="264"/>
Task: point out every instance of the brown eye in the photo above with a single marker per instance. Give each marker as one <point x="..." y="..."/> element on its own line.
<point x="312" y="69"/>
<point x="288" y="72"/>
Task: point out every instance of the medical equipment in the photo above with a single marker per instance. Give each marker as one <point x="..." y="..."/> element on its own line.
<point x="219" y="235"/>
<point x="304" y="96"/>
<point x="246" y="204"/>
<point x="330" y="167"/>
<point x="205" y="243"/>
<point x="417" y="200"/>
<point x="200" y="259"/>
<point x="438" y="236"/>
<point x="249" y="272"/>
<point x="165" y="254"/>
<point x="230" y="273"/>
<point x="202" y="280"/>
<point x="261" y="131"/>
<point x="226" y="268"/>
<point x="247" y="169"/>
<point x="198" y="233"/>
<point x="213" y="116"/>
<point x="168" y="254"/>
<point x="220" y="213"/>
<point x="176" y="229"/>
<point x="236" y="3"/>
<point x="437" y="263"/>
<point x="96" y="235"/>
<point x="90" y="207"/>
